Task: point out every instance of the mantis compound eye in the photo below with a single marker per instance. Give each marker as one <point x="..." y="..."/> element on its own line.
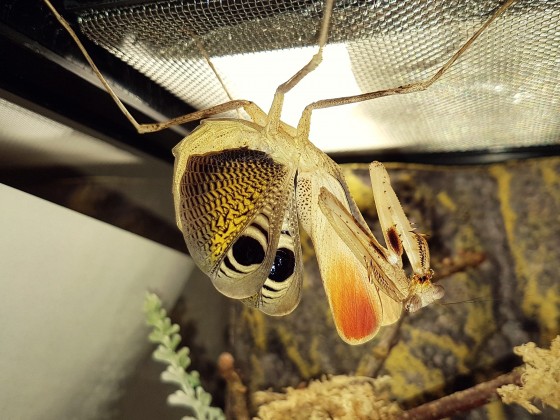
<point x="413" y="304"/>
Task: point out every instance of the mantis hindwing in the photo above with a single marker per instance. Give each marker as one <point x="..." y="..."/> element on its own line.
<point x="243" y="189"/>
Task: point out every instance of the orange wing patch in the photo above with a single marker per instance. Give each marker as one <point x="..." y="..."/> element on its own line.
<point x="354" y="302"/>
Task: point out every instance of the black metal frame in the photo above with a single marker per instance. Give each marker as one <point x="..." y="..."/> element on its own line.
<point x="43" y="70"/>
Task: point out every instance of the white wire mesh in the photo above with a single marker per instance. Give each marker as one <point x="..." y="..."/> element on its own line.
<point x="504" y="92"/>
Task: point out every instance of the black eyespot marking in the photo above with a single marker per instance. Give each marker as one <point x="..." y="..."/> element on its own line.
<point x="261" y="229"/>
<point x="267" y="287"/>
<point x="248" y="251"/>
<point x="284" y="265"/>
<point x="229" y="265"/>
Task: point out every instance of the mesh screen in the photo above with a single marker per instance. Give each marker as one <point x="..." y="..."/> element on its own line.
<point x="504" y="92"/>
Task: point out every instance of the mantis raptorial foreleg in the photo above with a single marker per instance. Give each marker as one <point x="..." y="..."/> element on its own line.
<point x="384" y="265"/>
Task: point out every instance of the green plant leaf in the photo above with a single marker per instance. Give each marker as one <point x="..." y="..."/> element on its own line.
<point x="191" y="394"/>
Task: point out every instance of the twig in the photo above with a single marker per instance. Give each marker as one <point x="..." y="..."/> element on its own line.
<point x="462" y="261"/>
<point x="236" y="394"/>
<point x="462" y="401"/>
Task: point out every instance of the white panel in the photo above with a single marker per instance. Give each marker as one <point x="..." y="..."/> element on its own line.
<point x="71" y="320"/>
<point x="33" y="140"/>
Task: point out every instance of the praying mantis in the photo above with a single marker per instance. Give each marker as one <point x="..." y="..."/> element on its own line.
<point x="243" y="189"/>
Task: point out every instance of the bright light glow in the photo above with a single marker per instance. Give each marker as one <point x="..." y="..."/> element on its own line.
<point x="344" y="128"/>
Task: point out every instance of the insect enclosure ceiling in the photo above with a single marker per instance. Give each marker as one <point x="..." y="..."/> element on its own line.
<point x="504" y="93"/>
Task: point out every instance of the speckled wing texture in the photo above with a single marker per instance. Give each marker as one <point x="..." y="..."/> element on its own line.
<point x="232" y="208"/>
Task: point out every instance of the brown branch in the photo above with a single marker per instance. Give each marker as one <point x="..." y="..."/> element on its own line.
<point x="460" y="262"/>
<point x="462" y="401"/>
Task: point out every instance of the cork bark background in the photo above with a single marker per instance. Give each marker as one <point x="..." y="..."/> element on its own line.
<point x="494" y="235"/>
